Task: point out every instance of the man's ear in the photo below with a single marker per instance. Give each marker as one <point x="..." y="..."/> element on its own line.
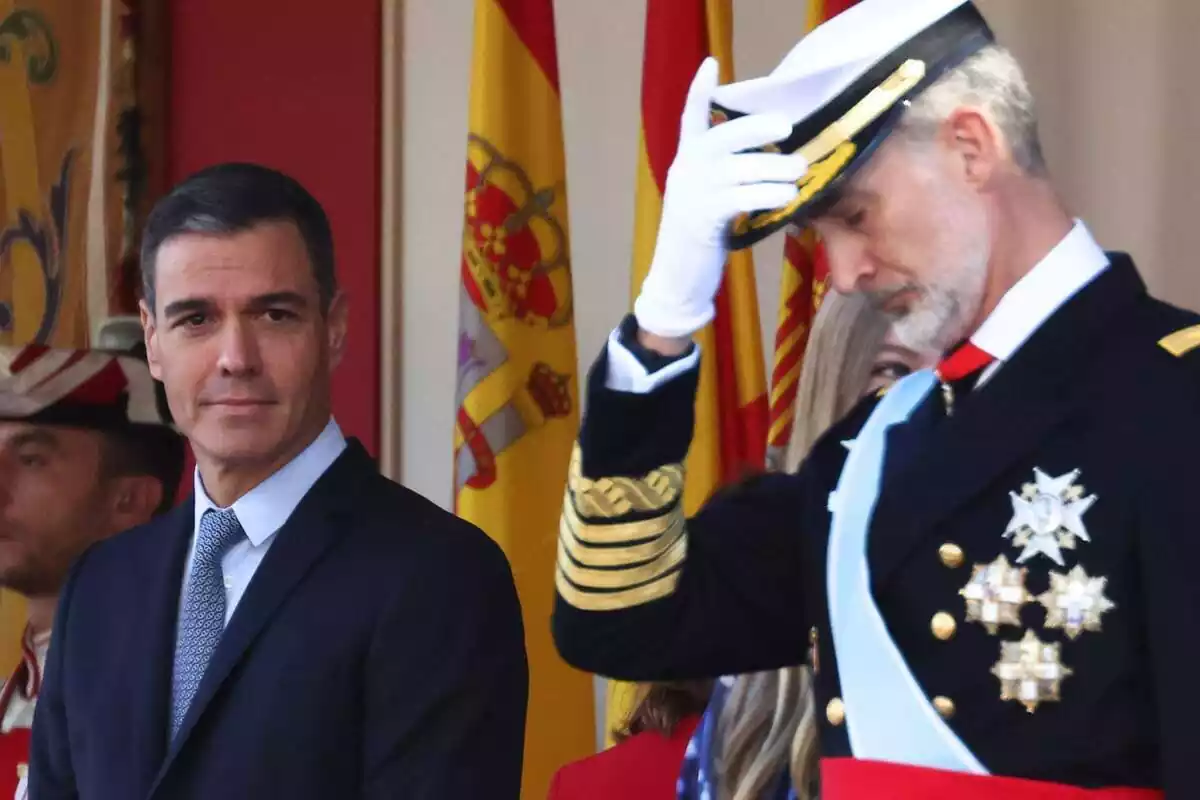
<point x="977" y="141"/>
<point x="135" y="498"/>
<point x="337" y="320"/>
<point x="150" y="333"/>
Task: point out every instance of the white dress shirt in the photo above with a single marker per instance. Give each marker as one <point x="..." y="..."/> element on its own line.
<point x="262" y="512"/>
<point x="1068" y="267"/>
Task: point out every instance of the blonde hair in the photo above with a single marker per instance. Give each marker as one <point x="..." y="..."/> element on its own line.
<point x="845" y="338"/>
<point x="769" y="721"/>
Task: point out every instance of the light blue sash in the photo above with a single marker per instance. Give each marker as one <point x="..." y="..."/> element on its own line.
<point x="888" y="716"/>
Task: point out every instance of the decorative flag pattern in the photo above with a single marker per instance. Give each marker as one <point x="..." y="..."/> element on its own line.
<point x="517" y="395"/>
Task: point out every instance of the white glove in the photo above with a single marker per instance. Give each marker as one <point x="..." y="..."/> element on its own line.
<point x="708" y="185"/>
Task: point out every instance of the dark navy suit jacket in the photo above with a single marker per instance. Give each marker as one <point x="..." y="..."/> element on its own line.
<point x="378" y="652"/>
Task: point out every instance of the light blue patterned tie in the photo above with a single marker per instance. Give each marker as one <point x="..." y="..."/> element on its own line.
<point x="202" y="619"/>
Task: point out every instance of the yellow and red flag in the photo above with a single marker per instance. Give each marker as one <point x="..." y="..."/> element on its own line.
<point x="731" y="404"/>
<point x="802" y="285"/>
<point x="517" y="397"/>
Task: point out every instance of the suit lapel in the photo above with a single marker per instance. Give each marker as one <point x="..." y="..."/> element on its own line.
<point x="314" y="527"/>
<point x="998" y="424"/>
<point x="153" y="654"/>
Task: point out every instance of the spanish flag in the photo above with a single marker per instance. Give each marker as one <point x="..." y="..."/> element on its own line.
<point x="731" y="404"/>
<point x="802" y="285"/>
<point x="517" y="397"/>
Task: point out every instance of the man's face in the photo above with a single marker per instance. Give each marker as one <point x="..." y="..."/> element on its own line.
<point x="239" y="340"/>
<point x="911" y="233"/>
<point x="53" y="503"/>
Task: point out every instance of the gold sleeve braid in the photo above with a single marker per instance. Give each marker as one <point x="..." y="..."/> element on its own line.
<point x="607" y="562"/>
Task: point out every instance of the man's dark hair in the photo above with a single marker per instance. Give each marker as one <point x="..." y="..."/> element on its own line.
<point x="153" y="451"/>
<point x="231" y="198"/>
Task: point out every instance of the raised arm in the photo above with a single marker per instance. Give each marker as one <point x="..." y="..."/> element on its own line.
<point x="645" y="594"/>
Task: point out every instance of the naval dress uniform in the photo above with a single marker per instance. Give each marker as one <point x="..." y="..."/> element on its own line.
<point x="996" y="560"/>
<point x="1027" y="569"/>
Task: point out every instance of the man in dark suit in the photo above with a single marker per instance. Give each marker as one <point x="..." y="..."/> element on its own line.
<point x="302" y="627"/>
<point x="998" y="556"/>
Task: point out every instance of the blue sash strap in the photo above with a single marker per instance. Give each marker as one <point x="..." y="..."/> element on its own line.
<point x="888" y="716"/>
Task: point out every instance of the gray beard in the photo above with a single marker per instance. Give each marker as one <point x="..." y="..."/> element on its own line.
<point x="933" y="325"/>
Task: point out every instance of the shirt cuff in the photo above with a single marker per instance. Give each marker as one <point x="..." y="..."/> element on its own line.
<point x="627" y="374"/>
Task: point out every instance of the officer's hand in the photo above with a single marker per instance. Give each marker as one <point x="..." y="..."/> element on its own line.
<point x="710" y="182"/>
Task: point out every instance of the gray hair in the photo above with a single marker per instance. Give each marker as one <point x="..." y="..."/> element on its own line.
<point x="992" y="81"/>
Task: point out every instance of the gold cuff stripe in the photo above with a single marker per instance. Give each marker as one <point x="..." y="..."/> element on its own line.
<point x="1181" y="342"/>
<point x="643" y="557"/>
<point x="581" y="553"/>
<point x="614" y="497"/>
<point x="591" y="532"/>
<point x="627" y="578"/>
<point x="614" y="601"/>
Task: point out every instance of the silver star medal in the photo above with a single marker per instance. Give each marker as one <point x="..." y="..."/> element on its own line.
<point x="1048" y="516"/>
<point x="1075" y="602"/>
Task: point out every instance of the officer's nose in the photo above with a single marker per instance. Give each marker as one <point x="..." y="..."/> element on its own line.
<point x="850" y="265"/>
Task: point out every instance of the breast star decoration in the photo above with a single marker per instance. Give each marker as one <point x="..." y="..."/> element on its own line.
<point x="1075" y="602"/>
<point x="1030" y="671"/>
<point x="995" y="594"/>
<point x="1048" y="516"/>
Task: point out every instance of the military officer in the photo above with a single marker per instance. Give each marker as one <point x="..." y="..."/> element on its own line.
<point x="998" y="555"/>
<point x="86" y="451"/>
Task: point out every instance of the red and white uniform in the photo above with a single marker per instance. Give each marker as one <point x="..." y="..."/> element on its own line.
<point x="18" y="697"/>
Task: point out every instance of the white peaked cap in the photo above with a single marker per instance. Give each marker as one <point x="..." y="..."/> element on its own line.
<point x="844" y="86"/>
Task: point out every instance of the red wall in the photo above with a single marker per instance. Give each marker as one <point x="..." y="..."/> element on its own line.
<point x="295" y="85"/>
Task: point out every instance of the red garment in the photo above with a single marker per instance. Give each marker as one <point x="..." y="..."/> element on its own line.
<point x="643" y="767"/>
<point x="14" y="757"/>
<point x="19" y="694"/>
<point x="856" y="779"/>
<point x="962" y="362"/>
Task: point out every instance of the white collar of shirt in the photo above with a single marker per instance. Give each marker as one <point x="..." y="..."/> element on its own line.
<point x="1066" y="269"/>
<point x="263" y="510"/>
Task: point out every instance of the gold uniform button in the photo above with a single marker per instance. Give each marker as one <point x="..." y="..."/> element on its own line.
<point x="835" y="711"/>
<point x="944" y="706"/>
<point x="951" y="555"/>
<point x="943" y="626"/>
